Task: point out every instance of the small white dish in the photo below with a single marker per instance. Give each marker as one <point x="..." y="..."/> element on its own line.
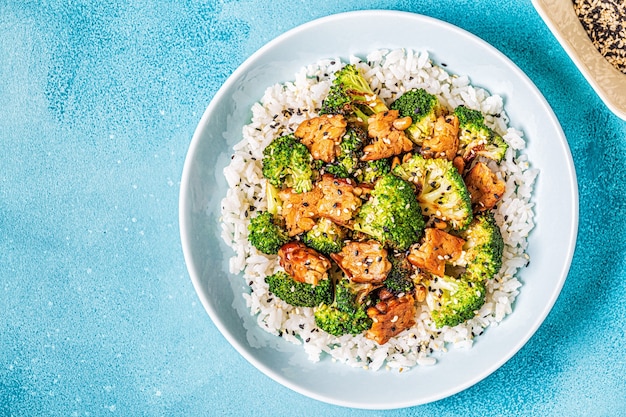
<point x="551" y="243"/>
<point x="608" y="82"/>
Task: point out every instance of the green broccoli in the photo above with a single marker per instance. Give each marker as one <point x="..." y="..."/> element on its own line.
<point x="338" y="323"/>
<point x="288" y="163"/>
<point x="441" y="191"/>
<point x="400" y="278"/>
<point x="476" y="138"/>
<point x="325" y="237"/>
<point x="274" y="203"/>
<point x="300" y="294"/>
<point x="483" y="247"/>
<point x="370" y="171"/>
<point x="423" y="108"/>
<point x="351" y="96"/>
<point x="392" y="214"/>
<point x="347" y="314"/>
<point x="350" y="147"/>
<point x="454" y="300"/>
<point x="267" y="233"/>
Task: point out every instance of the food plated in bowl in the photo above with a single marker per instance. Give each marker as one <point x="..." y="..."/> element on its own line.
<point x="378" y="210"/>
<point x="471" y="62"/>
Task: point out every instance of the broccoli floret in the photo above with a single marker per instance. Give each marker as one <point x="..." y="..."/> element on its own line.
<point x="392" y="214"/>
<point x="325" y="237"/>
<point x="441" y="191"/>
<point x="351" y="296"/>
<point x="476" y="138"/>
<point x="370" y="171"/>
<point x="347" y="314"/>
<point x="267" y="233"/>
<point x="483" y="247"/>
<point x="454" y="300"/>
<point x="300" y="294"/>
<point x="423" y="108"/>
<point x="288" y="163"/>
<point x="400" y="278"/>
<point x="351" y="96"/>
<point x="336" y="322"/>
<point x="496" y="149"/>
<point x="347" y="161"/>
<point x="274" y="203"/>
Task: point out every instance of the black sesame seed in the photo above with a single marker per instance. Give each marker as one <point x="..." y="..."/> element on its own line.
<point x="602" y="20"/>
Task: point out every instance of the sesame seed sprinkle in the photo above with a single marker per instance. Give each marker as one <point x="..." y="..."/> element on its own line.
<point x="604" y="22"/>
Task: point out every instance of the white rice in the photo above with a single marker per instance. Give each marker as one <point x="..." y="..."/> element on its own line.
<point x="280" y="111"/>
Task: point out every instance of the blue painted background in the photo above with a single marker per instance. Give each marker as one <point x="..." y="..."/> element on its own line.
<point x="98" y="317"/>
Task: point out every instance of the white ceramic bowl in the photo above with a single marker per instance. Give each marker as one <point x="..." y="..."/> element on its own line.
<point x="608" y="82"/>
<point x="203" y="186"/>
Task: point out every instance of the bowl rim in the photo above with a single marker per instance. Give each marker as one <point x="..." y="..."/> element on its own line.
<point x="194" y="274"/>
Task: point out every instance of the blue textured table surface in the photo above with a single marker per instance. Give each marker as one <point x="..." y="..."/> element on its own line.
<point x="98" y="317"/>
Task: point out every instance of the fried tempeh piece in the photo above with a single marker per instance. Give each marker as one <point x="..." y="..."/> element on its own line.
<point x="444" y="142"/>
<point x="338" y="201"/>
<point x="363" y="262"/>
<point x="437" y="248"/>
<point x="484" y="187"/>
<point x="299" y="209"/>
<point x="322" y="135"/>
<point x="390" y="316"/>
<point x="303" y="263"/>
<point x="387" y="139"/>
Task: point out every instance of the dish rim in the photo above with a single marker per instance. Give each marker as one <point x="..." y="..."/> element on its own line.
<point x="583" y="59"/>
<point x="184" y="194"/>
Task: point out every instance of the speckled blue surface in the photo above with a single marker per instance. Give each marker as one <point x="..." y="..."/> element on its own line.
<point x="98" y="317"/>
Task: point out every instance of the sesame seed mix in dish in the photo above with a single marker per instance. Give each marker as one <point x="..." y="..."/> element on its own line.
<point x="605" y="24"/>
<point x="379" y="210"/>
